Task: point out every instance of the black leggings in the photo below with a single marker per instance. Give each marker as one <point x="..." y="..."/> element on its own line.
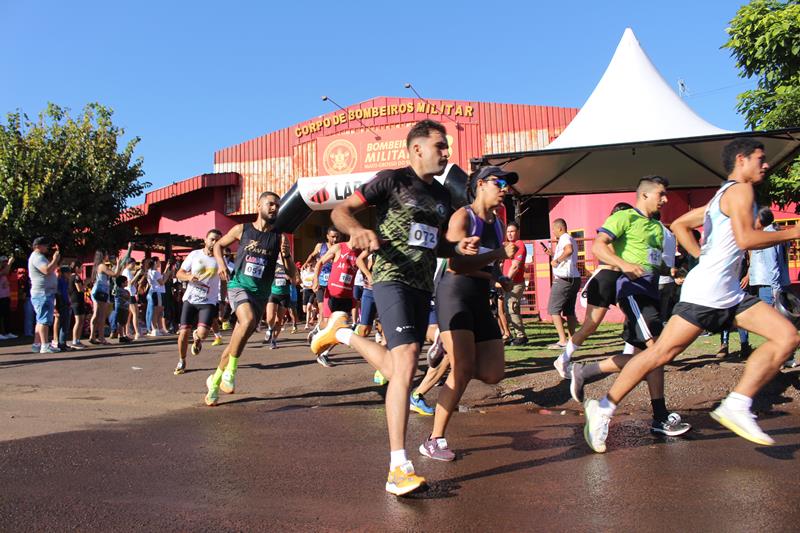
<point x="5" y="314"/>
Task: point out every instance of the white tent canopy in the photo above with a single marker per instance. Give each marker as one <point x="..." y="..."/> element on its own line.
<point x="634" y="124"/>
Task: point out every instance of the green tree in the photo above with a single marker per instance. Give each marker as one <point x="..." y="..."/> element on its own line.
<point x="66" y="178"/>
<point x="765" y="41"/>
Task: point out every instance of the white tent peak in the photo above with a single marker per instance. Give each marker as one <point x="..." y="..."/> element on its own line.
<point x="632" y="103"/>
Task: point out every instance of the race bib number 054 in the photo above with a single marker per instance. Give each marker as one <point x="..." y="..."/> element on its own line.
<point x="423" y="236"/>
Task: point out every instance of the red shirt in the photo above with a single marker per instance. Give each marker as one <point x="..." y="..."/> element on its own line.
<point x="343" y="273"/>
<point x="520" y="256"/>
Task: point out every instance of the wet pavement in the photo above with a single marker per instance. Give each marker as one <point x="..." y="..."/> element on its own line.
<point x="310" y="453"/>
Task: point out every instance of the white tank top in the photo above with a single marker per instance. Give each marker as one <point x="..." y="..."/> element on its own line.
<point x="714" y="282"/>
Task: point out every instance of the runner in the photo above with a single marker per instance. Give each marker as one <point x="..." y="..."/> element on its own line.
<point x="278" y="303"/>
<point x="412" y="209"/>
<point x="633" y="241"/>
<point x="200" y="272"/>
<point x="309" y="296"/>
<point x="712" y="299"/>
<point x="469" y="332"/>
<point x="332" y="236"/>
<point x="248" y="287"/>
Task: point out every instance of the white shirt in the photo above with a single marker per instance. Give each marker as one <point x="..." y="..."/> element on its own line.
<point x="568" y="268"/>
<point x="129" y="276"/>
<point x="204" y="268"/>
<point x="153" y="276"/>
<point x="670" y="249"/>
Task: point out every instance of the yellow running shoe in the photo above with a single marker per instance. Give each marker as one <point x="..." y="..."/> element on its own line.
<point x="379" y="379"/>
<point x="326" y="338"/>
<point x="213" y="392"/>
<point x="226" y="326"/>
<point x="217" y="341"/>
<point x="403" y="480"/>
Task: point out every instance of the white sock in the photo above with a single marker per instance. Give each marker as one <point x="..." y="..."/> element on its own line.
<point x="591" y="369"/>
<point x="397" y="458"/>
<point x="608" y="406"/>
<point x="738" y="402"/>
<point x="343" y="335"/>
<point x="629" y="349"/>
<point x="217" y="335"/>
<point x="570" y="349"/>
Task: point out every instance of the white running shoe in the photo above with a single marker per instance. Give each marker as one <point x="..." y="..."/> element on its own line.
<point x="562" y="365"/>
<point x="741" y="422"/>
<point x="10" y="336"/>
<point x="576" y="382"/>
<point x="595" y="431"/>
<point x="228" y="383"/>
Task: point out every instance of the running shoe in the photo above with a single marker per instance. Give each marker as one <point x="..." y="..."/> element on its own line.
<point x="181" y="368"/>
<point x="437" y="449"/>
<point x="378" y="378"/>
<point x="323" y="359"/>
<point x="294" y="329"/>
<point x="519" y="341"/>
<point x="562" y="365"/>
<point x="595" y="431"/>
<point x="226" y="325"/>
<point x="49" y="348"/>
<point x="4" y="337"/>
<point x="576" y="382"/>
<point x="212" y="397"/>
<point x="418" y="404"/>
<point x="671" y="427"/>
<point x="326" y="338"/>
<point x="77" y="345"/>
<point x="402" y="480"/>
<point x="556" y="346"/>
<point x="217" y="341"/>
<point x="36" y="348"/>
<point x="10" y="336"/>
<point x="741" y="422"/>
<point x="228" y="383"/>
<point x="273" y="344"/>
<point x="312" y="333"/>
<point x="435" y="352"/>
<point x="378" y="338"/>
<point x="197" y="344"/>
<point x="268" y="336"/>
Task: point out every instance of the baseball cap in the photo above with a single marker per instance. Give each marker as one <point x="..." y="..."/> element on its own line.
<point x="41" y="241"/>
<point x="485" y="172"/>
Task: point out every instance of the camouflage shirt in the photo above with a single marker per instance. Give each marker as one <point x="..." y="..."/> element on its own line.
<point x="412" y="220"/>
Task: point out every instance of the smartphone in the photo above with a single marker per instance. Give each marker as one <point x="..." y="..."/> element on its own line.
<point x="544" y="246"/>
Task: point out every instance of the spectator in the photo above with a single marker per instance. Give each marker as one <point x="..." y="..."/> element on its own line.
<point x="155" y="298"/>
<point x="44" y="284"/>
<point x="122" y="301"/>
<point x="77" y="302"/>
<point x="5" y="298"/>
<point x="566" y="283"/>
<point x="101" y="297"/>
<point x="24" y="302"/>
<point x="514" y="269"/>
<point x="62" y="309"/>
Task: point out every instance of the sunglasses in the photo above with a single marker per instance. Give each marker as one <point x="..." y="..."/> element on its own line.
<point x="501" y="183"/>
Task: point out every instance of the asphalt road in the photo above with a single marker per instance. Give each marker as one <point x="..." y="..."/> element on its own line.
<point x="110" y="440"/>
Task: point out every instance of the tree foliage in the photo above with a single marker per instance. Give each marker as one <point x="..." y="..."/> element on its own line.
<point x="765" y="41"/>
<point x="66" y="178"/>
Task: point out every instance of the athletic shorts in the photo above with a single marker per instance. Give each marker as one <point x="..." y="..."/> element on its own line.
<point x="157" y="298"/>
<point x="358" y="290"/>
<point x="281" y="299"/>
<point x="711" y="319"/>
<point x="368" y="309"/>
<point x="403" y="311"/>
<point x="100" y="296"/>
<point x="238" y="296"/>
<point x="601" y="289"/>
<point x="197" y="315"/>
<point x="332" y="304"/>
<point x="309" y="296"/>
<point x="462" y="303"/>
<point x="642" y="319"/>
<point x="562" y="296"/>
<point x="321" y="293"/>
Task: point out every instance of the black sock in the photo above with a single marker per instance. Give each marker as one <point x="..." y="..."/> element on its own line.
<point x="660" y="412"/>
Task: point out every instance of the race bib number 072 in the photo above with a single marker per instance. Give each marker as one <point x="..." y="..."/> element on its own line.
<point x="423" y="235"/>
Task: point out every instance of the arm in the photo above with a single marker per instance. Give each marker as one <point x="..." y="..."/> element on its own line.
<point x="361" y="262"/>
<point x="233" y="235"/>
<point x="602" y="251"/>
<point x="314" y="253"/>
<point x="329" y="256"/>
<point x="286" y="257"/>
<point x="457" y="232"/>
<point x="566" y="253"/>
<point x="121" y="264"/>
<point x="343" y="217"/>
<point x="738" y="203"/>
<point x="683" y="226"/>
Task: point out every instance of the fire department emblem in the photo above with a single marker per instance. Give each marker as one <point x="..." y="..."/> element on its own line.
<point x="340" y="157"/>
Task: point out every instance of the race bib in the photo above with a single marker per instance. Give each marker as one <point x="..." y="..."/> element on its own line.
<point x="654" y="256"/>
<point x="345" y="278"/>
<point x="280" y="282"/>
<point x="253" y="270"/>
<point x="196" y="293"/>
<point x="423" y="236"/>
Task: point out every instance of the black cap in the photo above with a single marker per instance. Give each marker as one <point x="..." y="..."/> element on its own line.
<point x="41" y="241"/>
<point x="485" y="172"/>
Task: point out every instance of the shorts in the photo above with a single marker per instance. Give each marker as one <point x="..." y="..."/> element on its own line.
<point x="333" y="304"/>
<point x="78" y="308"/>
<point x="403" y="311"/>
<point x="358" y="291"/>
<point x="133" y="299"/>
<point x="201" y="315"/>
<point x="157" y="298"/>
<point x="281" y="299"/>
<point x="100" y="296"/>
<point x="368" y="309"/>
<point x="309" y="297"/>
<point x="44" y="307"/>
<point x="321" y="293"/>
<point x="710" y="318"/>
<point x="122" y="316"/>
<point x="238" y="296"/>
<point x="642" y="319"/>
<point x="562" y="296"/>
<point x="462" y="303"/>
<point x="601" y="289"/>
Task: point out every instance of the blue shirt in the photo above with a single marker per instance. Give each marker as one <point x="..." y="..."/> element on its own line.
<point x="770" y="266"/>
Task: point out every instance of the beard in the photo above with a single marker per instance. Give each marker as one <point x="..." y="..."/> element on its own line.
<point x="270" y="219"/>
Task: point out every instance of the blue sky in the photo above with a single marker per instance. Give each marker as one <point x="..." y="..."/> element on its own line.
<point x="193" y="77"/>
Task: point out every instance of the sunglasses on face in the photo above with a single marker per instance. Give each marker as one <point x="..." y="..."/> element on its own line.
<point x="501" y="183"/>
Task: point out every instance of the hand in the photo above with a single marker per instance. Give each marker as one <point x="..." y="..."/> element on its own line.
<point x="315" y="286"/>
<point x="554" y="263"/>
<point x="364" y="239"/>
<point x="505" y="283"/>
<point x="633" y="271"/>
<point x="194" y="279"/>
<point x="57" y="255"/>
<point x="285" y="250"/>
<point x="745" y="282"/>
<point x="509" y="249"/>
<point x="223" y="274"/>
<point x="468" y="246"/>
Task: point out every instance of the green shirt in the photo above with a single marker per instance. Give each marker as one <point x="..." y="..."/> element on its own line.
<point x="636" y="239"/>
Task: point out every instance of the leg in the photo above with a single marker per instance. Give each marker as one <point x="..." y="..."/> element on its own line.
<point x="594" y="317"/>
<point x="490" y="366"/>
<point x="461" y="344"/>
<point x="513" y="299"/>
<point x="558" y="322"/>
<point x="404" y="366"/>
<point x="432" y="377"/>
<point x="77" y="329"/>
